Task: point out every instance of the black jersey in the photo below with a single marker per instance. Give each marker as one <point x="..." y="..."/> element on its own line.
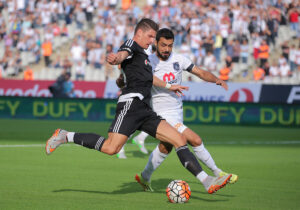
<point x="138" y="72"/>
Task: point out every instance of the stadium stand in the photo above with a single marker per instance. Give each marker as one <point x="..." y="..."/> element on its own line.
<point x="81" y="30"/>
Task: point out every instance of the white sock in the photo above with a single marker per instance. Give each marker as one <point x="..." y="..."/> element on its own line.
<point x="141" y="137"/>
<point x="155" y="159"/>
<point x="202" y="176"/>
<point x="70" y="136"/>
<point x="203" y="155"/>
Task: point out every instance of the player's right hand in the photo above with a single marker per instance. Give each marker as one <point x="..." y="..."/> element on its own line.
<point x="177" y="89"/>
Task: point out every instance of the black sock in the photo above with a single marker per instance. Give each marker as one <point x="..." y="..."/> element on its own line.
<point x="188" y="160"/>
<point x="89" y="140"/>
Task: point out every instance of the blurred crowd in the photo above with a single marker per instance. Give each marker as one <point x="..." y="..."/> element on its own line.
<point x="228" y="37"/>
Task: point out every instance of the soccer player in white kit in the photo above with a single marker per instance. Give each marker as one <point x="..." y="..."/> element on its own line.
<point x="168" y="67"/>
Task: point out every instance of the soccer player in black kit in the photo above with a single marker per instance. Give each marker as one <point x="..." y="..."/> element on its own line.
<point x="133" y="110"/>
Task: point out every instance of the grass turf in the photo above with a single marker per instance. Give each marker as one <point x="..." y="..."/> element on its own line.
<point x="79" y="178"/>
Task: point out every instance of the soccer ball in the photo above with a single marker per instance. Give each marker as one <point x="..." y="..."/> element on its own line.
<point x="178" y="191"/>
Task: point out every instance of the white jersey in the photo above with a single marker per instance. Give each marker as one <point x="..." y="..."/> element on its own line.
<point x="165" y="102"/>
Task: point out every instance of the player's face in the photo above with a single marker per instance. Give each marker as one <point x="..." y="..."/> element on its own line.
<point x="147" y="38"/>
<point x="164" y="48"/>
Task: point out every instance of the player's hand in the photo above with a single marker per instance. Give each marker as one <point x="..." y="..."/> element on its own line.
<point x="222" y="83"/>
<point x="111" y="58"/>
<point x="120" y="81"/>
<point x="177" y="89"/>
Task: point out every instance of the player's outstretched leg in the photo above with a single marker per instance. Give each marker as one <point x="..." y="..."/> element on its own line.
<point x="58" y="138"/>
<point x="188" y="160"/>
<point x="139" y="140"/>
<point x="203" y="154"/>
<point x="89" y="140"/>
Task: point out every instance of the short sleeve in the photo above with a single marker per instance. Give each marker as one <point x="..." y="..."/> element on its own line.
<point x="129" y="46"/>
<point x="187" y="64"/>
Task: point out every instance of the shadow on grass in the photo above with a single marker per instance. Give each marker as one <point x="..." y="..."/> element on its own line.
<point x="138" y="154"/>
<point x="159" y="187"/>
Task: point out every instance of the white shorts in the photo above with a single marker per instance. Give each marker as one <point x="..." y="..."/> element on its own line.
<point x="174" y="118"/>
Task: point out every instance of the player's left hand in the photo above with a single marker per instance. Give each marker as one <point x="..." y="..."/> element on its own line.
<point x="222" y="83"/>
<point x="111" y="58"/>
<point x="120" y="81"/>
<point x="177" y="89"/>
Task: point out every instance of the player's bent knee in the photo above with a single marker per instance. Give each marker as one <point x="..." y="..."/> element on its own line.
<point x="110" y="151"/>
<point x="165" y="148"/>
<point x="197" y="141"/>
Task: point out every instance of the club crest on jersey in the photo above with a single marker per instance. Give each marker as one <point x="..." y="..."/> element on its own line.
<point x="147" y="62"/>
<point x="176" y="66"/>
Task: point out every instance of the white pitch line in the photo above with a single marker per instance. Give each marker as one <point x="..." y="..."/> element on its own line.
<point x="288" y="142"/>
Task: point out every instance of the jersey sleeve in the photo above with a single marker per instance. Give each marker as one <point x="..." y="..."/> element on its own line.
<point x="129" y="46"/>
<point x="187" y="64"/>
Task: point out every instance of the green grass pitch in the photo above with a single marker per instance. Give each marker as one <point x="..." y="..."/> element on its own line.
<point x="267" y="161"/>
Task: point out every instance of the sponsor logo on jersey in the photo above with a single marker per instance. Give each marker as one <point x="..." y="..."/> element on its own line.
<point x="168" y="77"/>
<point x="176" y="66"/>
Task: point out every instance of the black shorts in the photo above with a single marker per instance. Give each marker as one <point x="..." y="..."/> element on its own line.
<point x="134" y="115"/>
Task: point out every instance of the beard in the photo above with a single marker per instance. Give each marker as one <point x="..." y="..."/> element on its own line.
<point x="163" y="57"/>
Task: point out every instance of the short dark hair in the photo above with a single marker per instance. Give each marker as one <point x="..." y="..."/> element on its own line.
<point x="165" y="33"/>
<point x="146" y="24"/>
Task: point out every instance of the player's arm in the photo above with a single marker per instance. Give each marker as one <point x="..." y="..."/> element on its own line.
<point x="175" y="88"/>
<point x="116" y="58"/>
<point x="208" y="77"/>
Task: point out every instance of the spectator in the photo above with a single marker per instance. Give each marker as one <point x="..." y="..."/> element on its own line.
<point x="266" y="68"/>
<point x="244" y="51"/>
<point x="292" y="56"/>
<point x="285" y="50"/>
<point x="224" y="73"/>
<point x="80" y="17"/>
<point x="297" y="55"/>
<point x="228" y="62"/>
<point x="284" y="70"/>
<point x="274" y="70"/>
<point x="293" y="19"/>
<point x="77" y="52"/>
<point x="258" y="74"/>
<point x="28" y="73"/>
<point x="47" y="51"/>
<point x="80" y="70"/>
<point x="224" y="29"/>
<point x="218" y="46"/>
<point x="263" y="52"/>
<point x="67" y="65"/>
<point x="229" y="49"/>
<point x="96" y="56"/>
<point x="256" y="40"/>
<point x="57" y="63"/>
<point x="210" y="61"/>
<point x="282" y="59"/>
<point x="236" y="51"/>
<point x="64" y="31"/>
